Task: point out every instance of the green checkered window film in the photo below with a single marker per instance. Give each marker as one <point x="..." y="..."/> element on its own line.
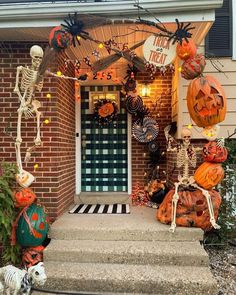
<point x="103" y="149"/>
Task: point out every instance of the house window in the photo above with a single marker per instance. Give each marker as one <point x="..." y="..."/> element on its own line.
<point x="95" y="96"/>
<point x="219" y="39"/>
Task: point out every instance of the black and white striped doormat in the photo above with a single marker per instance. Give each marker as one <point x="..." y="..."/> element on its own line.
<point x="100" y="209"/>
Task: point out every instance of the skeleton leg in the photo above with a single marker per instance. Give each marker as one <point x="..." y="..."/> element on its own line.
<point x="210" y="206"/>
<point x="19" y="140"/>
<point x="174" y="207"/>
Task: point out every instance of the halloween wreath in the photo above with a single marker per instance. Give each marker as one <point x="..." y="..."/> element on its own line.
<point x="105" y="111"/>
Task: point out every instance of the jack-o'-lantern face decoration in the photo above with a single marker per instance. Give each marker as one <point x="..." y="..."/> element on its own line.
<point x="213" y="152"/>
<point x="206" y="101"/>
<point x="106" y="110"/>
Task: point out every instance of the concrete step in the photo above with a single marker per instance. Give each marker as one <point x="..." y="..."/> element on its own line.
<point x="102" y="198"/>
<point x="127" y="252"/>
<point x="148" y="279"/>
<point x="139" y="225"/>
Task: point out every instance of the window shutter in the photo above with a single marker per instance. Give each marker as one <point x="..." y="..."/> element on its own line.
<point x="219" y="38"/>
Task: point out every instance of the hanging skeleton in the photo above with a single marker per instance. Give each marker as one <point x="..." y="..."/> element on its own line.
<point x="28" y="81"/>
<point x="186" y="156"/>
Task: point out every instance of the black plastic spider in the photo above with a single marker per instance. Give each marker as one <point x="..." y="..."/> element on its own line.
<point x="182" y="32"/>
<point x="75" y="28"/>
<point x="132" y="71"/>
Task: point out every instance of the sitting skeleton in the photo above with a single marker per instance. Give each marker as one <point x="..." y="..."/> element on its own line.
<point x="25" y="88"/>
<point x="19" y="281"/>
<point x="186" y="156"/>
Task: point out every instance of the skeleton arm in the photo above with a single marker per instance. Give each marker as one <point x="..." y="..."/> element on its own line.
<point x="16" y="89"/>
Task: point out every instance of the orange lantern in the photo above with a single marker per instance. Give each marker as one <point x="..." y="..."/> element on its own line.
<point x="186" y="50"/>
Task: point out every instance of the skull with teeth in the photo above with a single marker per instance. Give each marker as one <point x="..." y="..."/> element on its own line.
<point x="36" y="52"/>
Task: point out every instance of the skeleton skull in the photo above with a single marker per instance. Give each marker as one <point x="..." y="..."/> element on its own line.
<point x="36" y="52"/>
<point x="186" y="135"/>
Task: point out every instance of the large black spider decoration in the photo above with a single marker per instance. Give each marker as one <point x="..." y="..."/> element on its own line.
<point x="75" y="28"/>
<point x="131" y="72"/>
<point x="182" y="32"/>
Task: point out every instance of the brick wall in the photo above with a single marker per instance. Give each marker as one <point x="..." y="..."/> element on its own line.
<point x="160" y="108"/>
<point x="55" y="176"/>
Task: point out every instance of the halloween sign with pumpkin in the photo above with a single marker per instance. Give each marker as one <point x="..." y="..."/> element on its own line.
<point x="206" y="101"/>
<point x="213" y="152"/>
<point x="186" y="50"/>
<point x="192" y="209"/>
<point x="32" y="226"/>
<point x="209" y="175"/>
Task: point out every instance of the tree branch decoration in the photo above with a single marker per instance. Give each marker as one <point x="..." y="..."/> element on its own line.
<point x="105" y="111"/>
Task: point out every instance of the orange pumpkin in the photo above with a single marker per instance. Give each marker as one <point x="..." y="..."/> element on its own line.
<point x="209" y="175"/>
<point x="206" y="101"/>
<point x="24" y="197"/>
<point x="212" y="152"/>
<point x="186" y="50"/>
<point x="192" y="209"/>
<point x="106" y="110"/>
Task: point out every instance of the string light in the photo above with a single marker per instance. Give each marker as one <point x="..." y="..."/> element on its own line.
<point x="78" y="38"/>
<point x="179" y="69"/>
<point x="46" y="121"/>
<point x="190" y="126"/>
<point x="49" y="95"/>
<point x="36" y="166"/>
<point x="59" y="73"/>
<point x="100" y="45"/>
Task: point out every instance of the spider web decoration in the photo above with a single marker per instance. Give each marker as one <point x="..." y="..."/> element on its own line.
<point x="147" y="131"/>
<point x="134" y="104"/>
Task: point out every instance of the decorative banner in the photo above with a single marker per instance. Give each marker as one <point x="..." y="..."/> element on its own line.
<point x="159" y="50"/>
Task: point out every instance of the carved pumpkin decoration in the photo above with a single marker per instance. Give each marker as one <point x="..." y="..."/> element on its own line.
<point x="32" y="256"/>
<point x="193" y="67"/>
<point x="106" y="110"/>
<point x="59" y="38"/>
<point x="186" y="50"/>
<point x="24" y="197"/>
<point x="32" y="230"/>
<point x="206" y="101"/>
<point x="192" y="209"/>
<point x="213" y="152"/>
<point x="209" y="175"/>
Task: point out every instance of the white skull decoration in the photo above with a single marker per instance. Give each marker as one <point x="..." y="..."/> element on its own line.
<point x="36" y="52"/>
<point x="186" y="135"/>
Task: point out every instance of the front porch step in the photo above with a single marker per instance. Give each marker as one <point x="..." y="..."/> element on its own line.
<point x="102" y="198"/>
<point x="127" y="252"/>
<point x="147" y="279"/>
<point x="139" y="225"/>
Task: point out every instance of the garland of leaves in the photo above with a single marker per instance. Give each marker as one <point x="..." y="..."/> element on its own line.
<point x="105" y="111"/>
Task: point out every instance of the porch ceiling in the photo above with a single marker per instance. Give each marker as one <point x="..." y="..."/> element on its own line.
<point x="130" y="33"/>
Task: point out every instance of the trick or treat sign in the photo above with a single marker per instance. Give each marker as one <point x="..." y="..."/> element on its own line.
<point x="159" y="51"/>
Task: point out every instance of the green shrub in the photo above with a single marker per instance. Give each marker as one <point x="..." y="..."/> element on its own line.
<point x="7" y="212"/>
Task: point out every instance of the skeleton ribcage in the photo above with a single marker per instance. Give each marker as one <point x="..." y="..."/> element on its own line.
<point x="28" y="81"/>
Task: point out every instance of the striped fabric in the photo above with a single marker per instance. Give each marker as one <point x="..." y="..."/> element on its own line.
<point x="100" y="209"/>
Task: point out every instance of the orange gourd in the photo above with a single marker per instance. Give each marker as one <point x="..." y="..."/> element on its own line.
<point x="24" y="197"/>
<point x="206" y="101"/>
<point x="209" y="175"/>
<point x="106" y="110"/>
<point x="186" y="50"/>
<point x="192" y="209"/>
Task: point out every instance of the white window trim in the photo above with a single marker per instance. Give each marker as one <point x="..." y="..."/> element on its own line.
<point x="234" y="29"/>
